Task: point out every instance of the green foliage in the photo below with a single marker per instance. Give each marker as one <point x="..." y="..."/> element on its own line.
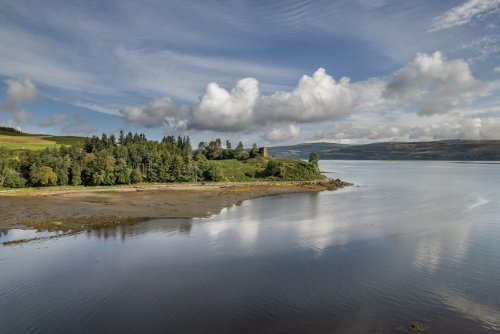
<point x="213" y="172"/>
<point x="13" y="179"/>
<point x="254" y="151"/>
<point x="43" y="176"/>
<point x="314" y="158"/>
<point x="239" y="152"/>
<point x="136" y="176"/>
<point x="291" y="170"/>
<point x="76" y="174"/>
<point x="132" y="158"/>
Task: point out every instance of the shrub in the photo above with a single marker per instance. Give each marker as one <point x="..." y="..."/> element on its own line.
<point x="213" y="172"/>
<point x="43" y="176"/>
<point x="13" y="179"/>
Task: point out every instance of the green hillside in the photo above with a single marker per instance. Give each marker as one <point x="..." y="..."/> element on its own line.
<point x="13" y="139"/>
<point x="463" y="150"/>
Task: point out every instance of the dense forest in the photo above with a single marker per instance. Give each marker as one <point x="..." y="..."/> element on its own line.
<point x="132" y="158"/>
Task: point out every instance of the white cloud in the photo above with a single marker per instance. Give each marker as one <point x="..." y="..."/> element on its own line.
<point x="429" y="86"/>
<point x="434" y="85"/>
<point x="465" y="13"/>
<point x="282" y="134"/>
<point x="315" y="99"/>
<point x="162" y="111"/>
<point x="220" y="109"/>
<point x="18" y="91"/>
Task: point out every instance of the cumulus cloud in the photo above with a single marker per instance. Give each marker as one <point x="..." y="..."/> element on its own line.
<point x="161" y="111"/>
<point x="315" y="99"/>
<point x="223" y="110"/>
<point x="465" y="13"/>
<point x="434" y="85"/>
<point x="18" y="91"/>
<point x="430" y="85"/>
<point x="282" y="134"/>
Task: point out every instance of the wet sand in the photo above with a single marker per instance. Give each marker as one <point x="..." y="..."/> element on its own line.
<point x="83" y="208"/>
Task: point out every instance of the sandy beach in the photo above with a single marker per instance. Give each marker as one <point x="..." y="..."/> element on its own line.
<point x="81" y="208"/>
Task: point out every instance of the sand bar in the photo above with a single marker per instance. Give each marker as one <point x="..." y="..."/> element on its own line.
<point x="83" y="208"/>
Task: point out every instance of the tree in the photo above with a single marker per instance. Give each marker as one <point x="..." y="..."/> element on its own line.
<point x="228" y="153"/>
<point x="239" y="151"/>
<point x="13" y="179"/>
<point x="214" y="150"/>
<point x="136" y="176"/>
<point x="121" y="138"/>
<point x="254" y="152"/>
<point x="5" y="157"/>
<point x="314" y="158"/>
<point x="43" y="176"/>
<point x="76" y="174"/>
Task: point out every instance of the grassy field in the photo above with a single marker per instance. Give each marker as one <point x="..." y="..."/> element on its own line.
<point x="251" y="170"/>
<point x="36" y="142"/>
<point x="239" y="171"/>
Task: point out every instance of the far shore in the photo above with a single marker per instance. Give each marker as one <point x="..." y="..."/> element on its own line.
<point x="82" y="208"/>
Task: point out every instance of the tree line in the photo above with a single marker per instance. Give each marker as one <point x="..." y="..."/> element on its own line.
<point x="126" y="159"/>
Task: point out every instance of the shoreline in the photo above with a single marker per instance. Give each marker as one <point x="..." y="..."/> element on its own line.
<point x="79" y="209"/>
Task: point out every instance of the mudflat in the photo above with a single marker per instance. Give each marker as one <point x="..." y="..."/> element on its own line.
<point x="82" y="208"/>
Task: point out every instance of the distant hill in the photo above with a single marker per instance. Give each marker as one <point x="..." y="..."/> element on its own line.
<point x="16" y="140"/>
<point x="482" y="150"/>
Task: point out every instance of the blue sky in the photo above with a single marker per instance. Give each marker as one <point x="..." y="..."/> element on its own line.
<point x="272" y="72"/>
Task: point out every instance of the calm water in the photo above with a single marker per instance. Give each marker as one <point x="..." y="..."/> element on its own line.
<point x="416" y="241"/>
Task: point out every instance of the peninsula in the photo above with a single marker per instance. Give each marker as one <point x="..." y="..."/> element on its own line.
<point x="103" y="181"/>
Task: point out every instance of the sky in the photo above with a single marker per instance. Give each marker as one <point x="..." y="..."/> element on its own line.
<point x="271" y="72"/>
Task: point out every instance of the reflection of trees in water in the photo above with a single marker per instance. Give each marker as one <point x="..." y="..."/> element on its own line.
<point x="4" y="232"/>
<point x="131" y="230"/>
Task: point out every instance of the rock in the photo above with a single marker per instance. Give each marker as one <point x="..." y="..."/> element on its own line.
<point x="417" y="327"/>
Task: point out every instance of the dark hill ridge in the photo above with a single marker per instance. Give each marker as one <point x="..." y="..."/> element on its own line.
<point x="481" y="150"/>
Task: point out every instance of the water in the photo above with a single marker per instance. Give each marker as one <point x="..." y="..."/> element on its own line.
<point x="416" y="241"/>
